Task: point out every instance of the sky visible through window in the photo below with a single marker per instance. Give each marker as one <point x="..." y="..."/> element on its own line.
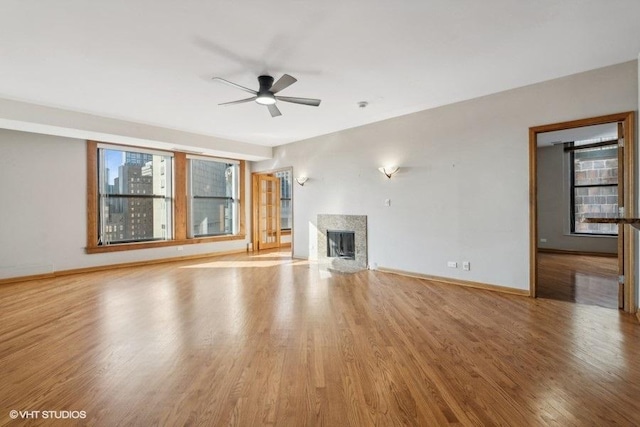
<point x="113" y="159"/>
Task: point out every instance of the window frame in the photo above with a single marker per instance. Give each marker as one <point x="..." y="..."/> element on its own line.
<point x="572" y="148"/>
<point x="133" y="197"/>
<point x="179" y="206"/>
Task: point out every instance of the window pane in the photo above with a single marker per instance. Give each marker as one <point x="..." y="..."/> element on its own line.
<point x="596" y="202"/>
<point x="211" y="217"/>
<point x="285" y="199"/>
<point x="129" y="219"/>
<point x="214" y="196"/>
<point x="285" y="214"/>
<point x="135" y="196"/>
<point x="129" y="172"/>
<point x="285" y="184"/>
<point x="596" y="166"/>
<point x="211" y="179"/>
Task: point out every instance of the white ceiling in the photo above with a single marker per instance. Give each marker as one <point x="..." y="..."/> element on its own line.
<point x="151" y="61"/>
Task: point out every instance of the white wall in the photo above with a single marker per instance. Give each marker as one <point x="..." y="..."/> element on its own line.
<point x="462" y="193"/>
<point x="43" y="213"/>
<point x="554" y="205"/>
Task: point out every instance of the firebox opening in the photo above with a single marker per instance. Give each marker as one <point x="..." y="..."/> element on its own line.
<point x="341" y="244"/>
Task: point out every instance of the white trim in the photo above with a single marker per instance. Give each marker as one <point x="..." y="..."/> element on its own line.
<point x="134" y="149"/>
<point x="212" y="159"/>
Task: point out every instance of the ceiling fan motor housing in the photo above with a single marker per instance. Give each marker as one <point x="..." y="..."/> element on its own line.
<point x="265" y="96"/>
<point x="265" y="83"/>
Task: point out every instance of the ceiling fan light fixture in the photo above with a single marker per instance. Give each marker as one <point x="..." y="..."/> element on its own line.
<point x="266" y="99"/>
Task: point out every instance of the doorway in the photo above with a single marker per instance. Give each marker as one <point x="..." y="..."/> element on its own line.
<point x="623" y="146"/>
<point x="272" y="209"/>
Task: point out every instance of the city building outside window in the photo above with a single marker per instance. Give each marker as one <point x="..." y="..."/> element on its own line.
<point x="285" y="199"/>
<point x="213" y="197"/>
<point x="133" y="206"/>
<point x="594" y="186"/>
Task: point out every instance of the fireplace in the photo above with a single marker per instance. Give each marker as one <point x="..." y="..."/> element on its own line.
<point x="341" y="244"/>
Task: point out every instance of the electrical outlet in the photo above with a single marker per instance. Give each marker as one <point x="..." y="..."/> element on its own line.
<point x="387" y="202"/>
<point x="543" y="240"/>
<point x="452" y="264"/>
<point x="466" y="265"/>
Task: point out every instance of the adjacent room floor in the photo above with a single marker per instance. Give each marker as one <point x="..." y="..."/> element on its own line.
<point x="265" y="339"/>
<point x="582" y="279"/>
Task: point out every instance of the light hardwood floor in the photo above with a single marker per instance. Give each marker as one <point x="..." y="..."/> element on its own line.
<point x="583" y="279"/>
<point x="267" y="340"/>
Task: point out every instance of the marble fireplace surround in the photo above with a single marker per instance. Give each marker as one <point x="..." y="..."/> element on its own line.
<point x="355" y="223"/>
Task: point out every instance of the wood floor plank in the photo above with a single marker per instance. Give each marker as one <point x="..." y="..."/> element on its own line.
<point x="267" y="340"/>
<point x="585" y="279"/>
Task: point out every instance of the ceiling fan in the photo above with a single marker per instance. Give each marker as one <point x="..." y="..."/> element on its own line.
<point x="266" y="94"/>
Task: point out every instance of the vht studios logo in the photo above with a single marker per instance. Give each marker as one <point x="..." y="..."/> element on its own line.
<point x="60" y="415"/>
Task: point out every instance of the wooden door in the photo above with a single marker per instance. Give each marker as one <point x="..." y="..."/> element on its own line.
<point x="621" y="213"/>
<point x="266" y="212"/>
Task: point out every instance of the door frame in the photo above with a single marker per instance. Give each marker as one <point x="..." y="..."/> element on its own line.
<point x="628" y="119"/>
<point x="254" y="207"/>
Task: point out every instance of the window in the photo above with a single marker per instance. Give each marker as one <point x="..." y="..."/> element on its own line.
<point x="129" y="183"/>
<point x="594" y="185"/>
<point x="139" y="198"/>
<point x="285" y="199"/>
<point x="213" y="197"/>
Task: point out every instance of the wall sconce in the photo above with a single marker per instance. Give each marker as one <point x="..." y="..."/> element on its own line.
<point x="389" y="171"/>
<point x="301" y="180"/>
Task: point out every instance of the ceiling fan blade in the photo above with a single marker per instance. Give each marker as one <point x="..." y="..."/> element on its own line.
<point x="240" y="101"/>
<point x="304" y="101"/>
<point x="275" y="112"/>
<point x="246" y="89"/>
<point x="283" y="82"/>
